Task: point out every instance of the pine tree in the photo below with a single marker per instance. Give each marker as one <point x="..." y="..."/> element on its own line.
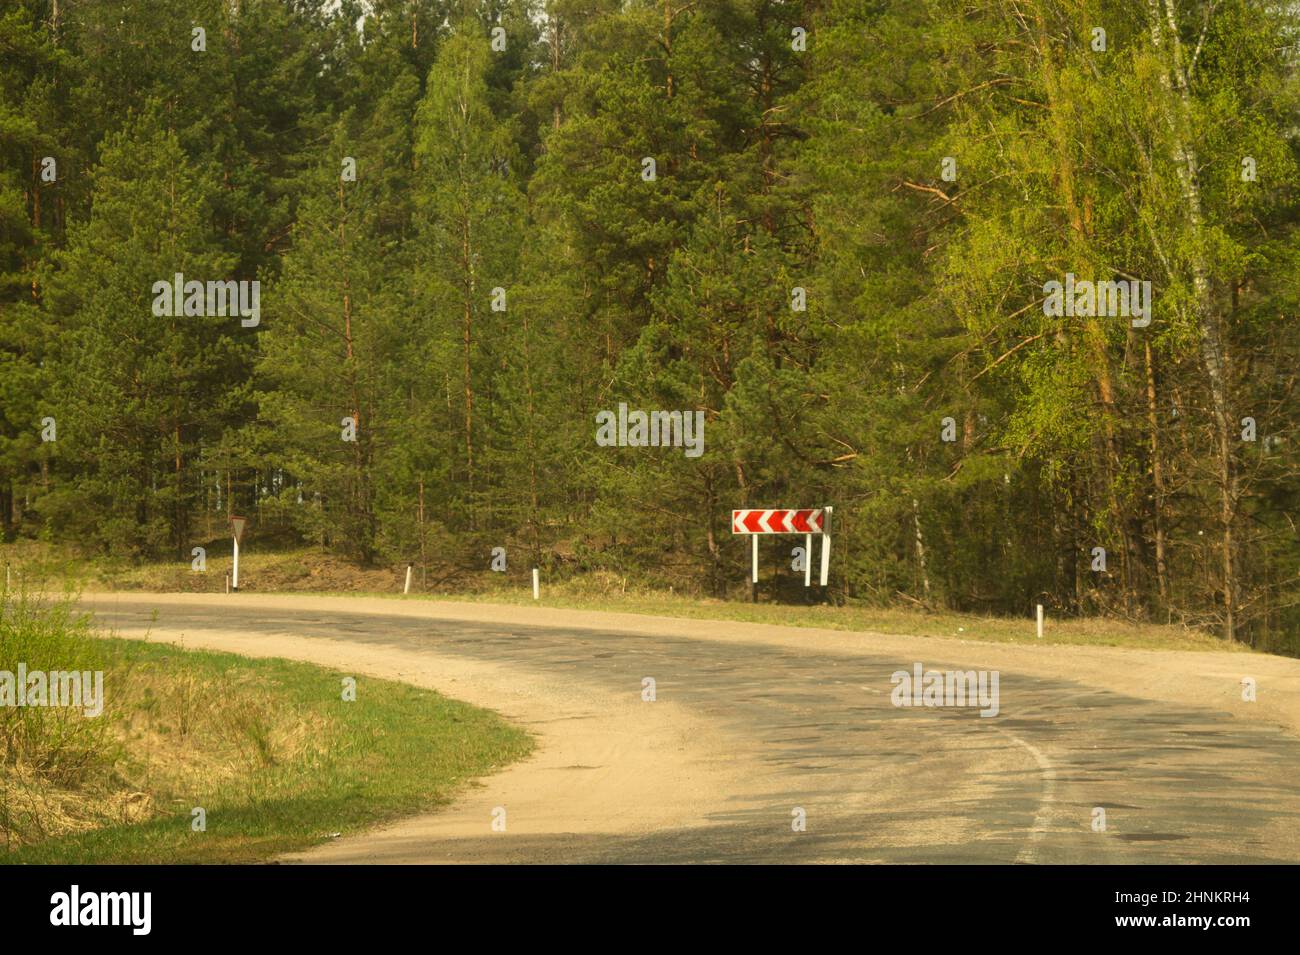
<point x="334" y="318"/>
<point x="469" y="212"/>
<point x="136" y="392"/>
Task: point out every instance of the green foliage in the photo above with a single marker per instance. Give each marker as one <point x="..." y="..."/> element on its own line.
<point x="776" y="168"/>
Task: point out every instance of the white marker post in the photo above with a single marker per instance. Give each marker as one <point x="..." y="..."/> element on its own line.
<point x="537" y="593"/>
<point x="753" y="579"/>
<point x="407" y="588"/>
<point x="237" y="531"/>
<point x="826" y="549"/>
<point x="807" y="560"/>
<point x="1040" y="621"/>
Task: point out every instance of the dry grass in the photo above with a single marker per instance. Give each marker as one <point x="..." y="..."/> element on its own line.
<point x="268" y="748"/>
<point x="49" y="755"/>
<point x="311" y="570"/>
<point x="42" y="566"/>
<point x="169" y="732"/>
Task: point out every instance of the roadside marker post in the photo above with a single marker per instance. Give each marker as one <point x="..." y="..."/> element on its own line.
<point x="407" y="588"/>
<point x="237" y="531"/>
<point x="826" y="549"/>
<point x="1040" y="621"/>
<point x="807" y="560"/>
<point x="537" y="594"/>
<point x="805" y="521"/>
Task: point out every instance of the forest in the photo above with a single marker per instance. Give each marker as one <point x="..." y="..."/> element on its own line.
<point x="1011" y="284"/>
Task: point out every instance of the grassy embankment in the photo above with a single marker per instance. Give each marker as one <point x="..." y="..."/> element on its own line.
<point x="309" y="570"/>
<point x="267" y="748"/>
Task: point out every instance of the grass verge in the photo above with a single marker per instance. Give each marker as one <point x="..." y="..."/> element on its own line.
<point x="268" y="749"/>
<point x="312" y="570"/>
<point x="1092" y="631"/>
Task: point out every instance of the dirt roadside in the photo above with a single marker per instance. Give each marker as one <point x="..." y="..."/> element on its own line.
<point x="604" y="764"/>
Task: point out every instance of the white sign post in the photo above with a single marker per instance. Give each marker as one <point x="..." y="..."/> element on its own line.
<point x="826" y="548"/>
<point x="807" y="560"/>
<point x="807" y="521"/>
<point x="237" y="530"/>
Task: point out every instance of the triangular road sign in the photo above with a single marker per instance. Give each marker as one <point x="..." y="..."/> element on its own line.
<point x="237" y="525"/>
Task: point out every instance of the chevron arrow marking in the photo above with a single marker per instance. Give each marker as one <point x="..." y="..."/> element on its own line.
<point x="809" y="520"/>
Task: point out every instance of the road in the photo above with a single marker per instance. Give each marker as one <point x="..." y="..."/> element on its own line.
<point x="752" y="723"/>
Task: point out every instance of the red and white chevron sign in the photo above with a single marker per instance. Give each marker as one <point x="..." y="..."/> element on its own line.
<point x="758" y="521"/>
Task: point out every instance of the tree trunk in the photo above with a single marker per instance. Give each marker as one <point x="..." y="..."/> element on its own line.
<point x="1094" y="338"/>
<point x="182" y="520"/>
<point x="1157" y="480"/>
<point x="1213" y="351"/>
<point x="920" y="548"/>
<point x="667" y="41"/>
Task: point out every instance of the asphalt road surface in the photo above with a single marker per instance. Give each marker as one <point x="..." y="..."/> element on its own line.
<point x="744" y="733"/>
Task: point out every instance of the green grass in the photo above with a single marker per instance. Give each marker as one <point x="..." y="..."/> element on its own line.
<point x="267" y="747"/>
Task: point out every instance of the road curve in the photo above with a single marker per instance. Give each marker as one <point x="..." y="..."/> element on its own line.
<point x="752" y="724"/>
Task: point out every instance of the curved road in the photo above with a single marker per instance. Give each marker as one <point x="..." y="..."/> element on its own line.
<point x="751" y="724"/>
